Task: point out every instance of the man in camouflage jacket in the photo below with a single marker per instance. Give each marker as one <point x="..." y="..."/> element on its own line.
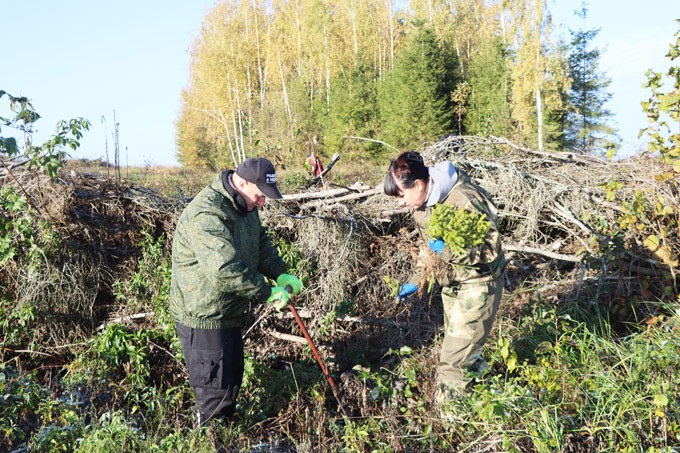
<point x="221" y="255"/>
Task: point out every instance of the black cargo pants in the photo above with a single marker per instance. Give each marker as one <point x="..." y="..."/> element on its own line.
<point x="214" y="358"/>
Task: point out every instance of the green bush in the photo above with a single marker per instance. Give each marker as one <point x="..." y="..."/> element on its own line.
<point x="48" y="156"/>
<point x="149" y="287"/>
<point x="17" y="234"/>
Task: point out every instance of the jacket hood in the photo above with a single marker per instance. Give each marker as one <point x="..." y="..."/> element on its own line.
<point x="443" y="176"/>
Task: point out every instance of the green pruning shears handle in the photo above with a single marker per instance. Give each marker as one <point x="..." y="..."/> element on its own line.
<point x="286" y="285"/>
<point x="292" y="284"/>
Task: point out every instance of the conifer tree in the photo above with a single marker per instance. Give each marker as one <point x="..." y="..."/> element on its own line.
<point x="353" y="112"/>
<point x="585" y="123"/>
<point x="415" y="98"/>
<point x="490" y="83"/>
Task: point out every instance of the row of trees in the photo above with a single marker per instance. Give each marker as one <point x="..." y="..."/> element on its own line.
<point x="291" y="77"/>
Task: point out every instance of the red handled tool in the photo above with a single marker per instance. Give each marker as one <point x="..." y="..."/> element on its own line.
<point x="324" y="370"/>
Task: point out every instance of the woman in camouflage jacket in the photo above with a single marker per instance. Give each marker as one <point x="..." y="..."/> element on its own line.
<point x="472" y="281"/>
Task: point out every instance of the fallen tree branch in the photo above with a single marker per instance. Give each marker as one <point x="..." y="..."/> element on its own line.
<point x="370" y="140"/>
<point x="164" y="350"/>
<point x="643" y="270"/>
<point x="318" y="178"/>
<point x="11" y="163"/>
<point x="561" y="156"/>
<point x="576" y="259"/>
<point x="286" y="336"/>
<point x="393" y="212"/>
<point x="535" y="251"/>
<point x="312" y="195"/>
<point x="564" y="212"/>
<point x="307" y="314"/>
<point x="354" y="196"/>
<point x="27" y="351"/>
<point x="264" y="315"/>
<point x="123" y="319"/>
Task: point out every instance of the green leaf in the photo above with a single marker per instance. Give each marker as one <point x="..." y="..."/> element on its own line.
<point x="8" y="145"/>
<point x="375" y="393"/>
<point x="544" y="347"/>
<point x="611" y="153"/>
<point x="660" y="400"/>
<point x="405" y="350"/>
<point x="676" y="166"/>
<point x="652" y="242"/>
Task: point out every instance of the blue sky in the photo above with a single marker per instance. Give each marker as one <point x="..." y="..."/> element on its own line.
<point x="88" y="58"/>
<point x="634" y="36"/>
<point x="85" y="58"/>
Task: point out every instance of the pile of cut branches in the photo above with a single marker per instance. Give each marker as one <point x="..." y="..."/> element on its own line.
<point x="87" y="233"/>
<point x="560" y="218"/>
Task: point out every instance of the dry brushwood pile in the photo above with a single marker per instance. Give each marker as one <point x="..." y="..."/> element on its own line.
<point x="554" y="217"/>
<point x="99" y="225"/>
<point x="353" y="245"/>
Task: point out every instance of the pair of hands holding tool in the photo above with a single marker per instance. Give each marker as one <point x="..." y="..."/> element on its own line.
<point x="285" y="285"/>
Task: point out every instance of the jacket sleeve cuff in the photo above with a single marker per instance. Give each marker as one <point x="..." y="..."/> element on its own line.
<point x="264" y="295"/>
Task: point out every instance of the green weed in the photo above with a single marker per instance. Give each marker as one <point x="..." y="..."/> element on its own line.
<point x="149" y="286"/>
<point x="17" y="234"/>
<point x="296" y="262"/>
<point x="21" y="398"/>
<point x="112" y="432"/>
<point x="293" y="181"/>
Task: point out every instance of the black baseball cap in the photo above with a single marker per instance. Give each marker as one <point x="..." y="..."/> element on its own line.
<point x="262" y="173"/>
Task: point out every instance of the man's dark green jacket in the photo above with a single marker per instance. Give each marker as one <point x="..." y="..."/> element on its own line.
<point x="220" y="257"/>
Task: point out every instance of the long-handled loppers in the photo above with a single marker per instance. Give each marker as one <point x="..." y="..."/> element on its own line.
<point x="324" y="370"/>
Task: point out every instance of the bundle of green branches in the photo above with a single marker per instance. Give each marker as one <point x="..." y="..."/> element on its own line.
<point x="458" y="228"/>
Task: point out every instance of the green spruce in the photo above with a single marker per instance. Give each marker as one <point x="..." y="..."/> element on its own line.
<point x="415" y="99"/>
<point x="460" y="229"/>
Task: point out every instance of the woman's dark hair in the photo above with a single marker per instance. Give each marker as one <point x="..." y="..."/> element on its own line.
<point x="404" y="171"/>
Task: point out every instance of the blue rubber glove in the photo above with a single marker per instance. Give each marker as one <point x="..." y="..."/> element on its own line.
<point x="289" y="281"/>
<point x="406" y="289"/>
<point x="279" y="298"/>
<point x="437" y="245"/>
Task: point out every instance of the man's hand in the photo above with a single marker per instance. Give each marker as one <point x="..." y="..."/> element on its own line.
<point x="289" y="281"/>
<point x="279" y="297"/>
<point x="406" y="289"/>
